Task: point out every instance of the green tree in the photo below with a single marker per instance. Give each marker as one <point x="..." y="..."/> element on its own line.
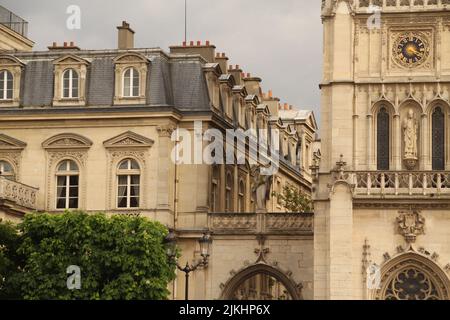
<point x="9" y="259"/>
<point x="295" y="200"/>
<point x="120" y="258"/>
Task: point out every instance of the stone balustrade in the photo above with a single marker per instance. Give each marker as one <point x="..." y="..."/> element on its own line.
<point x="401" y="183"/>
<point x="18" y="193"/>
<point x="407" y="4"/>
<point x="266" y="223"/>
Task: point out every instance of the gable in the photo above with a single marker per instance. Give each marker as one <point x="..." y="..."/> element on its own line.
<point x="131" y="57"/>
<point x="67" y="141"/>
<point x="127" y="140"/>
<point x="7" y="60"/>
<point x="9" y="143"/>
<point x="70" y="59"/>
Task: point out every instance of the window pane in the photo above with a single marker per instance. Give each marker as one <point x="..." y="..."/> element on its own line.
<point x="123" y="180"/>
<point x="383" y="140"/>
<point x="61" y="204"/>
<point x="123" y="191"/>
<point x="73" y="166"/>
<point x="73" y="180"/>
<point x="134" y="202"/>
<point x="134" y="165"/>
<point x="61" y="192"/>
<point x="75" y="92"/>
<point x="73" y="203"/>
<point x="9" y="94"/>
<point x="134" y="191"/>
<point x="73" y="192"/>
<point x="122" y="202"/>
<point x="5" y="167"/>
<point x="61" y="181"/>
<point x="123" y="165"/>
<point x="135" y="180"/>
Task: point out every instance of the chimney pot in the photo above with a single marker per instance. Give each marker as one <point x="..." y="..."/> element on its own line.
<point x="248" y="75"/>
<point x="54" y="44"/>
<point x="199" y="43"/>
<point x="270" y="93"/>
<point x="237" y="67"/>
<point x="72" y="44"/>
<point x="65" y="44"/>
<point x="184" y="43"/>
<point x="191" y="43"/>
<point x="223" y="54"/>
<point x="207" y="42"/>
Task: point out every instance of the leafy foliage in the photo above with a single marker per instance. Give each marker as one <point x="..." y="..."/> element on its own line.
<point x="295" y="200"/>
<point x="120" y="258"/>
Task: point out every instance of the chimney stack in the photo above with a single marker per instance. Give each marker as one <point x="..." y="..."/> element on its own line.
<point x="125" y="36"/>
<point x="206" y="50"/>
<point x="222" y="60"/>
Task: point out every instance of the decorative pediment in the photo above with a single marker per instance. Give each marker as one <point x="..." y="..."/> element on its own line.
<point x="70" y="59"/>
<point x="264" y="109"/>
<point x="7" y="60"/>
<point x="67" y="141"/>
<point x="127" y="140"/>
<point x="131" y="57"/>
<point x="9" y="143"/>
<point x="252" y="99"/>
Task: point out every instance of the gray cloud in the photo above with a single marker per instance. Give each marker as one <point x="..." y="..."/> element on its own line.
<point x="278" y="40"/>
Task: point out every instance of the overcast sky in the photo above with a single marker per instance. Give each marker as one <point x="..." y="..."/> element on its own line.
<point x="277" y="40"/>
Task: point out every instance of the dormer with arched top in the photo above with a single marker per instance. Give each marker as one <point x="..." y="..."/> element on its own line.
<point x="70" y="81"/>
<point x="10" y="76"/>
<point x="131" y="71"/>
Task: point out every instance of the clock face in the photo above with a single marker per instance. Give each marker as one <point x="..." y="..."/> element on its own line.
<point x="411" y="50"/>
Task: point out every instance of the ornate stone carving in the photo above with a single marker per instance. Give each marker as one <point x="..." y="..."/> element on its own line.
<point x="410" y="136"/>
<point x="234" y="222"/>
<point x="67" y="141"/>
<point x="165" y="131"/>
<point x="18" y="193"/>
<point x="289" y="222"/>
<point x="129" y="139"/>
<point x="411" y="224"/>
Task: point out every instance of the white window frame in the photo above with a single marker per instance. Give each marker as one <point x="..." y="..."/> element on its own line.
<point x="129" y="172"/>
<point x="5" y="88"/>
<point x="71" y="86"/>
<point x="132" y="75"/>
<point x="8" y="175"/>
<point x="67" y="174"/>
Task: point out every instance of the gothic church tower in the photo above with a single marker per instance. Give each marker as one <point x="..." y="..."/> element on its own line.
<point x="383" y="187"/>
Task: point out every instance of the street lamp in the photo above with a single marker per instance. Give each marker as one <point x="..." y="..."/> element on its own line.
<point x="171" y="243"/>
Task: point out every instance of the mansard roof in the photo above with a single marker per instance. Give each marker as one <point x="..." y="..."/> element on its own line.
<point x="178" y="82"/>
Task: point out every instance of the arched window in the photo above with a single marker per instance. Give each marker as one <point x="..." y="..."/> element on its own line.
<point x="6" y="170"/>
<point x="215" y="189"/>
<point x="383" y="139"/>
<point x="6" y="85"/>
<point x="241" y="196"/>
<point x="70" y="84"/>
<point x="438" y="139"/>
<point x="67" y="185"/>
<point x="129" y="179"/>
<point x="229" y="193"/>
<point x="131" y="83"/>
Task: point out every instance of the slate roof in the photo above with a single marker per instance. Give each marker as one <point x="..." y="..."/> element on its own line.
<point x="176" y="82"/>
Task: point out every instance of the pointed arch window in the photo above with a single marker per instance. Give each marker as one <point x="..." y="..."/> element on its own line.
<point x="6" y="85"/>
<point x="215" y="189"/>
<point x="438" y="139"/>
<point x="229" y="193"/>
<point x="242" y="196"/>
<point x="383" y="139"/>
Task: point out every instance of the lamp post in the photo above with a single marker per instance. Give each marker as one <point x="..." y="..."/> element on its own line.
<point x="205" y="242"/>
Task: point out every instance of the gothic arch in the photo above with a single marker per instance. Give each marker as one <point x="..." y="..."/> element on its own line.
<point x="437" y="113"/>
<point x="237" y="280"/>
<point x="426" y="279"/>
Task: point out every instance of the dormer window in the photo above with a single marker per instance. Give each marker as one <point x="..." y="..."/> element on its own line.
<point x="70" y="84"/>
<point x="131" y="71"/>
<point x="70" y="81"/>
<point x="6" y="85"/>
<point x="131" y="83"/>
<point x="10" y="77"/>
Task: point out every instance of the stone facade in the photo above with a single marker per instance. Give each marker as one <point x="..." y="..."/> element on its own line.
<point x="83" y="119"/>
<point x="373" y="205"/>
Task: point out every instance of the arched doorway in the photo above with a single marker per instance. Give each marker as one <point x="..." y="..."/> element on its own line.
<point x="413" y="277"/>
<point x="261" y="282"/>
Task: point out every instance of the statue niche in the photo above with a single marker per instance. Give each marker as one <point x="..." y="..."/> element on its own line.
<point x="410" y="140"/>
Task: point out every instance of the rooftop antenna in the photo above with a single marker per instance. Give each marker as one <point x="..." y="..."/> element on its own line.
<point x="185" y="20"/>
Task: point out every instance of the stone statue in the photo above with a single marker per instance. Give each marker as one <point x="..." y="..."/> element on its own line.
<point x="261" y="188"/>
<point x="410" y="130"/>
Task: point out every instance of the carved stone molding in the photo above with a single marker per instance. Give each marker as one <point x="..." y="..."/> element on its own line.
<point x="128" y="139"/>
<point x="411" y="224"/>
<point x="13" y="157"/>
<point x="165" y="131"/>
<point x="67" y="141"/>
<point x="53" y="158"/>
